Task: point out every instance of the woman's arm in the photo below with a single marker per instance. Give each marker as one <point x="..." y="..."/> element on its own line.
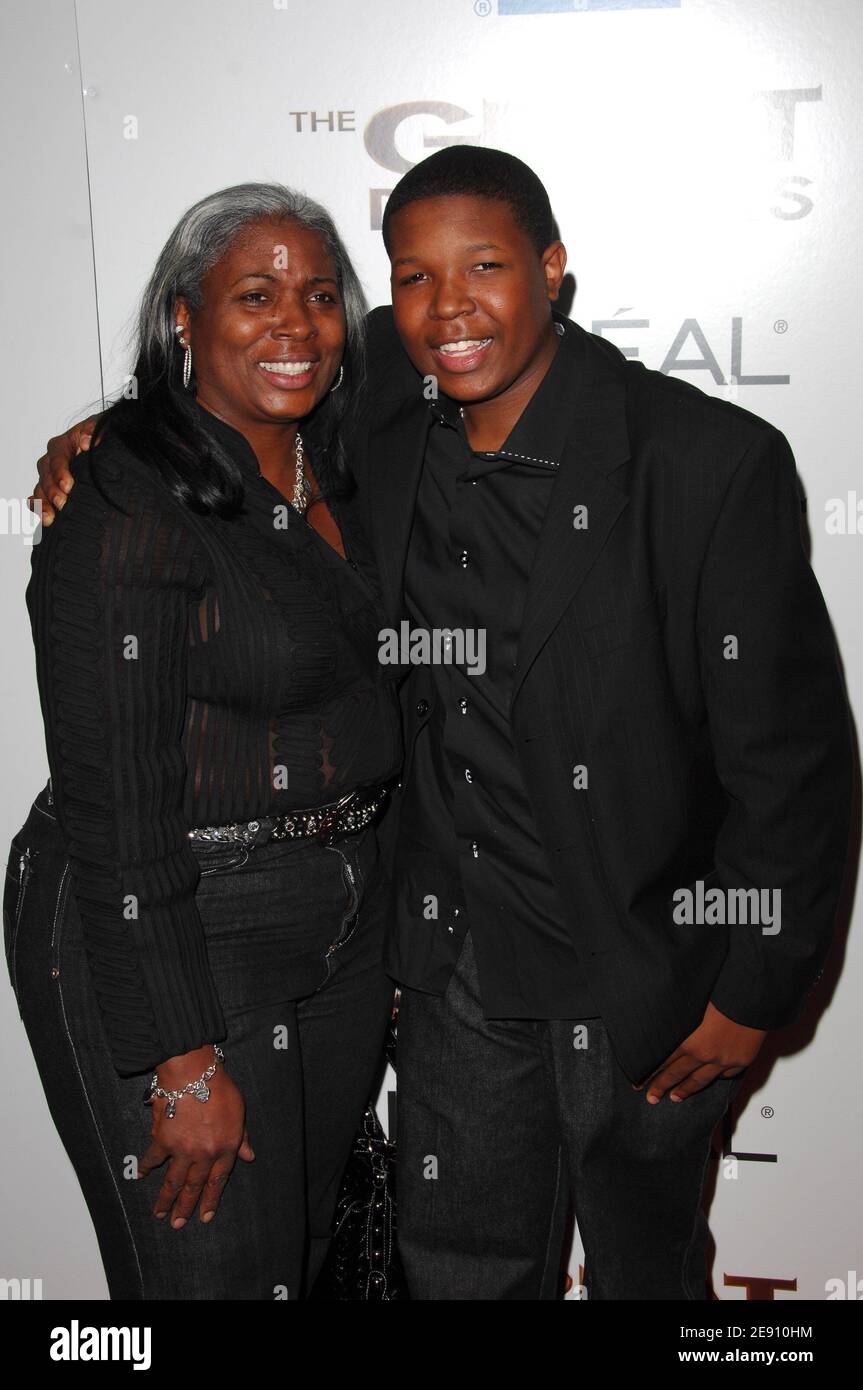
<point x="109" y="597"/>
<point x="108" y="600"/>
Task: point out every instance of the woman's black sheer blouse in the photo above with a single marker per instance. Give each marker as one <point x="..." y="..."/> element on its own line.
<point x="192" y="671"/>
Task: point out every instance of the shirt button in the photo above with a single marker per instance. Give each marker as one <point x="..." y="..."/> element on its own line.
<point x="464" y="559"/>
<point x="474" y="849"/>
<point x="468" y="775"/>
<point x="422" y="707"/>
<point x="462" y="707"/>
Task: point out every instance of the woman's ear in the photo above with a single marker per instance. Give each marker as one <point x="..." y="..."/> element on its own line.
<point x="182" y="320"/>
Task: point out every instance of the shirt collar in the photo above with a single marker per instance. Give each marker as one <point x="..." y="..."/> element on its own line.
<point x="231" y="440"/>
<point x="538" y="436"/>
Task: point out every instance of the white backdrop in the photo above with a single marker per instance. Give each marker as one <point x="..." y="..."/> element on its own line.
<point x="702" y="158"/>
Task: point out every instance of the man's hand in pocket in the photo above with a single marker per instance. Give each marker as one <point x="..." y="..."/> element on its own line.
<point x="718" y="1047"/>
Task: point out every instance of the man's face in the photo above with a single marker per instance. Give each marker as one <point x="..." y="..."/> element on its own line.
<point x="471" y="294"/>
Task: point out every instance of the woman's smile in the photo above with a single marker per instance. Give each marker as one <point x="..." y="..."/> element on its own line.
<point x="289" y="374"/>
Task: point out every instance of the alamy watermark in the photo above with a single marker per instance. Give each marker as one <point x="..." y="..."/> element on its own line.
<point x="77" y="1343"/>
<point x="436" y="646"/>
<point x="732" y="906"/>
<point x="17" y="519"/>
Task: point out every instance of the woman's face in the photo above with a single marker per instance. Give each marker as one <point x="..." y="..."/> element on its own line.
<point x="269" y="336"/>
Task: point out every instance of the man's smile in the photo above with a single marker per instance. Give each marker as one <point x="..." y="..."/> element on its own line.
<point x="461" y="354"/>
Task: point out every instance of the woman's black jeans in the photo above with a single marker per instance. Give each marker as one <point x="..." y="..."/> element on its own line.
<point x="294" y="935"/>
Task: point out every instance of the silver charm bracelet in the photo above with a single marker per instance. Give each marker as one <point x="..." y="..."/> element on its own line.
<point x="199" y="1089"/>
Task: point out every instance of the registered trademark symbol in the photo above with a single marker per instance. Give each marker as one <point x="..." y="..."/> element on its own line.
<point x="767" y="1112"/>
<point x="780" y="326"/>
<point x="482" y="8"/>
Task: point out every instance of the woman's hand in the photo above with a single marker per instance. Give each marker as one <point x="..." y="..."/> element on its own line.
<point x="55" y="480"/>
<point x="202" y="1141"/>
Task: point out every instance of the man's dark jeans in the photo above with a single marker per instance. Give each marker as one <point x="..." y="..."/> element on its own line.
<point x="305" y="1023"/>
<point x="503" y="1123"/>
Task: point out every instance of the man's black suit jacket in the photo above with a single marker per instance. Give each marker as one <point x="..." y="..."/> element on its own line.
<point x="677" y="647"/>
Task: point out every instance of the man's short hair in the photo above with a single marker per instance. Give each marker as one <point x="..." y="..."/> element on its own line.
<point x="482" y="173"/>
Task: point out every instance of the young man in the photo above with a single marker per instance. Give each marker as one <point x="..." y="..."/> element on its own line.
<point x="625" y="804"/>
<point x="659" y="709"/>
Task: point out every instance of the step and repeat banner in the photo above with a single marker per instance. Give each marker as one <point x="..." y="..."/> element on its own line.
<point x="702" y="158"/>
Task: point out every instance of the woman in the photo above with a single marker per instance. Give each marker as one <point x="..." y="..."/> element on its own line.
<point x="202" y="868"/>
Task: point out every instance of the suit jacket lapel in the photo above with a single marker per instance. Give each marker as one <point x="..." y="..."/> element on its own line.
<point x="597" y="444"/>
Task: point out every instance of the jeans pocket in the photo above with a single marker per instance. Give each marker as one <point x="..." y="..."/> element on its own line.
<point x="19" y="869"/>
<point x="215" y="858"/>
<point x="352" y="877"/>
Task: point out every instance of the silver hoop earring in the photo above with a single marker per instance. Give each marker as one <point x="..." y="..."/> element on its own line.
<point x="187" y="356"/>
<point x="340" y="380"/>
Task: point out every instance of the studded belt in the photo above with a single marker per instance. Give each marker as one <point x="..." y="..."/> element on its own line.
<point x="329" y="823"/>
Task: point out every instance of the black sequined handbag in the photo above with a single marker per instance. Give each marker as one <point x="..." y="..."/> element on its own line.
<point x="362" y="1264"/>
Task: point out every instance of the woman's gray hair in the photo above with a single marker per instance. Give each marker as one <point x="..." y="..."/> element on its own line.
<point x="204" y="233"/>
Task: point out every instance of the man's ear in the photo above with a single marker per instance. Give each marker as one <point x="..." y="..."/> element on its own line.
<point x="553" y="268"/>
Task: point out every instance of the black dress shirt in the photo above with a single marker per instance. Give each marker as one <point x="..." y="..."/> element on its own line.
<point x="469" y="853"/>
<point x="193" y="670"/>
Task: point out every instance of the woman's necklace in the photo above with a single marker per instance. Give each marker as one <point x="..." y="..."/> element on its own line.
<point x="302" y="486"/>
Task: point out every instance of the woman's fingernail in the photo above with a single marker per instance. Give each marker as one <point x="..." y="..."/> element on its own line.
<point x="208" y="1216"/>
<point x="178" y="1222"/>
